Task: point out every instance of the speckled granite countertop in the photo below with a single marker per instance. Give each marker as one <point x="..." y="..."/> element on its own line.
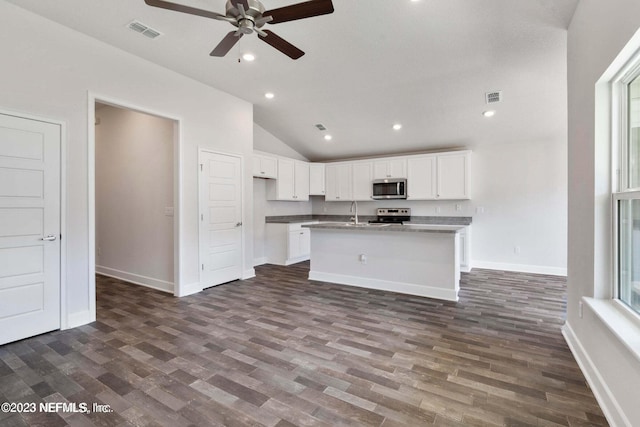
<point x="423" y="228"/>
<point x="415" y="220"/>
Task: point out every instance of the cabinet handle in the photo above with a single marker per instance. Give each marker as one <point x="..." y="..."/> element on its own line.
<point x="301" y="232"/>
<point x="262" y="173"/>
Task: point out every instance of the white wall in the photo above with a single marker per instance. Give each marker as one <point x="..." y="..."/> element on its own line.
<point x="598" y="32"/>
<point x="522" y="190"/>
<point x="265" y="141"/>
<point x="49" y="70"/>
<point x="134" y="185"/>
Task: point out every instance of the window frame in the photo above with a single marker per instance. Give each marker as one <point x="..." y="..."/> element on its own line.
<point x="621" y="189"/>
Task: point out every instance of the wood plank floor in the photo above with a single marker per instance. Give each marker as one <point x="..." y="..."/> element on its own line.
<point x="278" y="350"/>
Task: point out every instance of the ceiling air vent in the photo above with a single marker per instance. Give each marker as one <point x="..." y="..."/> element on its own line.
<point x="493" y="97"/>
<point x="320" y="126"/>
<point x="143" y="29"/>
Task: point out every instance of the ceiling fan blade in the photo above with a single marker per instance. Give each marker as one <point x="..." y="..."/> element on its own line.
<point x="303" y="10"/>
<point x="226" y="44"/>
<point x="185" y="9"/>
<point x="281" y="44"/>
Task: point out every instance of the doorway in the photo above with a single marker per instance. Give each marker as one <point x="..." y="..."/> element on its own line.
<point x="135" y="196"/>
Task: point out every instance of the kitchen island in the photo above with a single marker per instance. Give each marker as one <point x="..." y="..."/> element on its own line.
<point x="418" y="260"/>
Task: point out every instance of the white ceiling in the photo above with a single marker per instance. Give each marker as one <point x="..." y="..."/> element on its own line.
<point x="425" y="64"/>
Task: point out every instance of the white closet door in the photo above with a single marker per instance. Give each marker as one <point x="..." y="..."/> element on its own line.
<point x="29" y="228"/>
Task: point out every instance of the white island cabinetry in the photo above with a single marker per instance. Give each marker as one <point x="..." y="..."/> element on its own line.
<point x="415" y="260"/>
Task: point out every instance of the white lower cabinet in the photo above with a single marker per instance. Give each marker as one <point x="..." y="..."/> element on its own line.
<point x="287" y="244"/>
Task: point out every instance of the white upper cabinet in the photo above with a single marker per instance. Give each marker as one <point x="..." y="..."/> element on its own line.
<point x="292" y="182"/>
<point x="362" y="177"/>
<point x="453" y="176"/>
<point x="390" y="168"/>
<point x="316" y="179"/>
<point x="339" y="182"/>
<point x="265" y="166"/>
<point x="421" y="178"/>
<point x="442" y="176"/>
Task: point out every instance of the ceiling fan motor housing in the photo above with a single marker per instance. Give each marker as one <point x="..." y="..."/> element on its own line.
<point x="246" y="22"/>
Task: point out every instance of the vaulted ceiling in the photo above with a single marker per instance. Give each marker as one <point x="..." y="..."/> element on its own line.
<point x="425" y="64"/>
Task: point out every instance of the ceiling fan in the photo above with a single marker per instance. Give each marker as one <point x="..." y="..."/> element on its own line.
<point x="249" y="16"/>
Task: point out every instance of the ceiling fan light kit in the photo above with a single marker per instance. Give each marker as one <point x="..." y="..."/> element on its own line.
<point x="249" y="16"/>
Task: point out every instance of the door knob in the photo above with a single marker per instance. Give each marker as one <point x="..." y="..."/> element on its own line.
<point x="238" y="224"/>
<point x="49" y="238"/>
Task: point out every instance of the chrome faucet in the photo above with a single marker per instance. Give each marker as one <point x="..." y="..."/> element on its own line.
<point x="355" y="218"/>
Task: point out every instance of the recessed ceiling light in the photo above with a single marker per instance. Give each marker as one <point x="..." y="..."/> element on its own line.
<point x="397" y="126"/>
<point x="249" y="57"/>
<point x="489" y="113"/>
<point x="328" y="137"/>
<point x="269" y="95"/>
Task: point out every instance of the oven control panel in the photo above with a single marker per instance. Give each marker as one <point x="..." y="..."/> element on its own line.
<point x="394" y="211"/>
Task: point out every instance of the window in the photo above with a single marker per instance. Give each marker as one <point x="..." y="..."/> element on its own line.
<point x="626" y="103"/>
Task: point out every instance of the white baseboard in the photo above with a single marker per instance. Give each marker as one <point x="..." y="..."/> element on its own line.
<point x="137" y="279"/>
<point x="259" y="261"/>
<point x="521" y="268"/>
<point x="384" y="285"/>
<point x="601" y="391"/>
<point x="248" y="274"/>
<point x="80" y="318"/>
<point x="190" y="289"/>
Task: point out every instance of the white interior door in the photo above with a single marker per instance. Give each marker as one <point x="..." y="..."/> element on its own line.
<point x="29" y="228"/>
<point x="220" y="218"/>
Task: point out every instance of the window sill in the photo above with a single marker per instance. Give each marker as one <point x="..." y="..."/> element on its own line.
<point x="623" y="323"/>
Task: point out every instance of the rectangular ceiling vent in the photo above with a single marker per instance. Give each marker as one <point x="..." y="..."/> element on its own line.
<point x="143" y="29"/>
<point x="320" y="126"/>
<point x="493" y="97"/>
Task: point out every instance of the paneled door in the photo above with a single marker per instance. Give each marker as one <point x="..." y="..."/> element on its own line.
<point x="29" y="227"/>
<point x="220" y="218"/>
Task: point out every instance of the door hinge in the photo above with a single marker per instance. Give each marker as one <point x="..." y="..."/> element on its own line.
<point x="201" y="217"/>
<point x="201" y="166"/>
<point x="202" y="267"/>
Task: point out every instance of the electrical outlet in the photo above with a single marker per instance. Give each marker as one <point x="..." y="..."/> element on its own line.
<point x="516" y="250"/>
<point x="324" y="209"/>
<point x="458" y="207"/>
<point x="480" y="210"/>
<point x="363" y="258"/>
<point x="99" y="251"/>
<point x="438" y="209"/>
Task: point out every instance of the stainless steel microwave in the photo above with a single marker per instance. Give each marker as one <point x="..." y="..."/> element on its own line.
<point x="390" y="188"/>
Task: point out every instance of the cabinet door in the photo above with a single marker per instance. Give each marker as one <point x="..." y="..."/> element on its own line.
<point x="397" y="168"/>
<point x="305" y="242"/>
<point x="421" y="178"/>
<point x="338" y="182"/>
<point x="301" y="181"/>
<point x="453" y="176"/>
<point x="362" y="177"/>
<point x="390" y="168"/>
<point x="265" y="167"/>
<point x="293" y="249"/>
<point x="345" y="182"/>
<point x="316" y="179"/>
<point x="269" y="167"/>
<point x="285" y="182"/>
<point x="381" y="169"/>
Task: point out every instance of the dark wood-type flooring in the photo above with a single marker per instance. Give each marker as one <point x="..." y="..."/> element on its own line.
<point x="278" y="350"/>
